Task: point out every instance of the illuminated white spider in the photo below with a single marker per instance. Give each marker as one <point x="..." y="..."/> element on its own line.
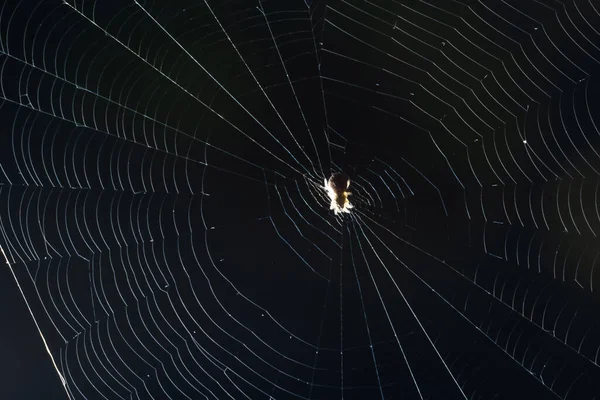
<point x="336" y="188"/>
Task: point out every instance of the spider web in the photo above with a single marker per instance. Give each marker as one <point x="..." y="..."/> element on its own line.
<point x="162" y="208"/>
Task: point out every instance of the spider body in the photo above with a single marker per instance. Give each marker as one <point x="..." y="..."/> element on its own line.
<point x="337" y="190"/>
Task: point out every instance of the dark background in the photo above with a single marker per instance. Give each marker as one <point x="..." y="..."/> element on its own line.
<point x="169" y="250"/>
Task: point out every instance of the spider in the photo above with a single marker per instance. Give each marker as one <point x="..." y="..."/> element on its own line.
<point x="336" y="188"/>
